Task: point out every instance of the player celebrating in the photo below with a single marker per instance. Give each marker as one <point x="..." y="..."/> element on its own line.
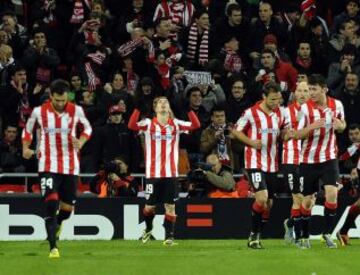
<point x="319" y="118"/>
<point x="259" y="128"/>
<point x="354" y="211"/>
<point x="162" y="135"/>
<point x="291" y="162"/>
<point x="58" y="151"/>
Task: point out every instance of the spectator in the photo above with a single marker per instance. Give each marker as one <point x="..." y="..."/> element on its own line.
<point x="7" y="64"/>
<point x="11" y="151"/>
<point x="352" y="12"/>
<point x="350" y="97"/>
<point x="304" y="62"/>
<point x="76" y="88"/>
<point x="231" y="60"/>
<point x="114" y="138"/>
<point x="40" y="60"/>
<point x="348" y="62"/>
<point x="116" y="89"/>
<point x="212" y="95"/>
<point x="216" y="138"/>
<point x="137" y="16"/>
<point x="275" y="70"/>
<point x="233" y="24"/>
<point x="21" y="98"/>
<point x="271" y="43"/>
<point x="17" y="34"/>
<point x="144" y="96"/>
<point x="219" y="178"/>
<point x="191" y="142"/>
<point x="197" y="43"/>
<point x="237" y="101"/>
<point x="114" y="180"/>
<point x="353" y="138"/>
<point x="346" y="35"/>
<point x="266" y="24"/>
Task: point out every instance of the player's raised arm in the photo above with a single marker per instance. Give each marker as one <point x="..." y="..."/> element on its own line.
<point x="134" y="123"/>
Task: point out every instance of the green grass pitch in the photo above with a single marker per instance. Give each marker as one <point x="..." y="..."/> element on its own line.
<point x="220" y="257"/>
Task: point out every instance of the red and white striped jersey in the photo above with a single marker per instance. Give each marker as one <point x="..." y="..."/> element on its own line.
<point x="257" y="125"/>
<point x="56" y="153"/>
<point x="292" y="147"/>
<point x="162" y="143"/>
<point x="350" y="152"/>
<point x="320" y="146"/>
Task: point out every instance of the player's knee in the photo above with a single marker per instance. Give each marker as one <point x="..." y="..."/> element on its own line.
<point x="307" y="202"/>
<point x="66" y="207"/>
<point x="169" y="208"/>
<point x="357" y="203"/>
<point x="149" y="208"/>
<point x="297" y="199"/>
<point x="263" y="201"/>
<point x="331" y="194"/>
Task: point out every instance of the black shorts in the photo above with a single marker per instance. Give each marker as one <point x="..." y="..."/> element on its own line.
<point x="292" y="178"/>
<point x="263" y="181"/>
<point x="326" y="172"/>
<point x="162" y="190"/>
<point x="64" y="185"/>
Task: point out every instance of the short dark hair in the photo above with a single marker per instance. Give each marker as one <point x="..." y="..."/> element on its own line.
<point x="231" y="8"/>
<point x="354" y="126"/>
<point x="199" y="12"/>
<point x="59" y="86"/>
<point x="264" y="51"/>
<point x="160" y="19"/>
<point x="17" y="68"/>
<point x="356" y="2"/>
<point x="271" y="87"/>
<point x="317" y="79"/>
<point x="217" y="108"/>
<point x="191" y="90"/>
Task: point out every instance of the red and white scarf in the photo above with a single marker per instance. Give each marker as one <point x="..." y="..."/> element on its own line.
<point x="180" y="12"/>
<point x="127" y="48"/>
<point x="232" y="62"/>
<point x="97" y="58"/>
<point x="192" y="44"/>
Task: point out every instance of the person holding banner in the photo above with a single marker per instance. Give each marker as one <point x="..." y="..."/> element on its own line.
<point x="162" y="134"/>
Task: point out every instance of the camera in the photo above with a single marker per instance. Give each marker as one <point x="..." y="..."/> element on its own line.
<point x="112" y="167"/>
<point x="197" y="174"/>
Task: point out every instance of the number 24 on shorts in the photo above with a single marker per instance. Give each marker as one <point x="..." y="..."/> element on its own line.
<point x="46" y="183"/>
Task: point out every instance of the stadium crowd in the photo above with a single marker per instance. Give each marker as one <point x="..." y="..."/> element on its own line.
<point x="120" y="55"/>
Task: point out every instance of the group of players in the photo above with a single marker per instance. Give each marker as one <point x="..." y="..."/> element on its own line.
<point x="306" y="128"/>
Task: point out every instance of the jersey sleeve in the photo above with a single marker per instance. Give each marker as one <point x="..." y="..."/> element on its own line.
<point x="244" y="122"/>
<point x="27" y="134"/>
<point x="186" y="126"/>
<point x="340" y="111"/>
<point x="85" y="122"/>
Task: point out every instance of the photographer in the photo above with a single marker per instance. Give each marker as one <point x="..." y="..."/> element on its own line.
<point x="114" y="180"/>
<point x="217" y="138"/>
<point x="216" y="178"/>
